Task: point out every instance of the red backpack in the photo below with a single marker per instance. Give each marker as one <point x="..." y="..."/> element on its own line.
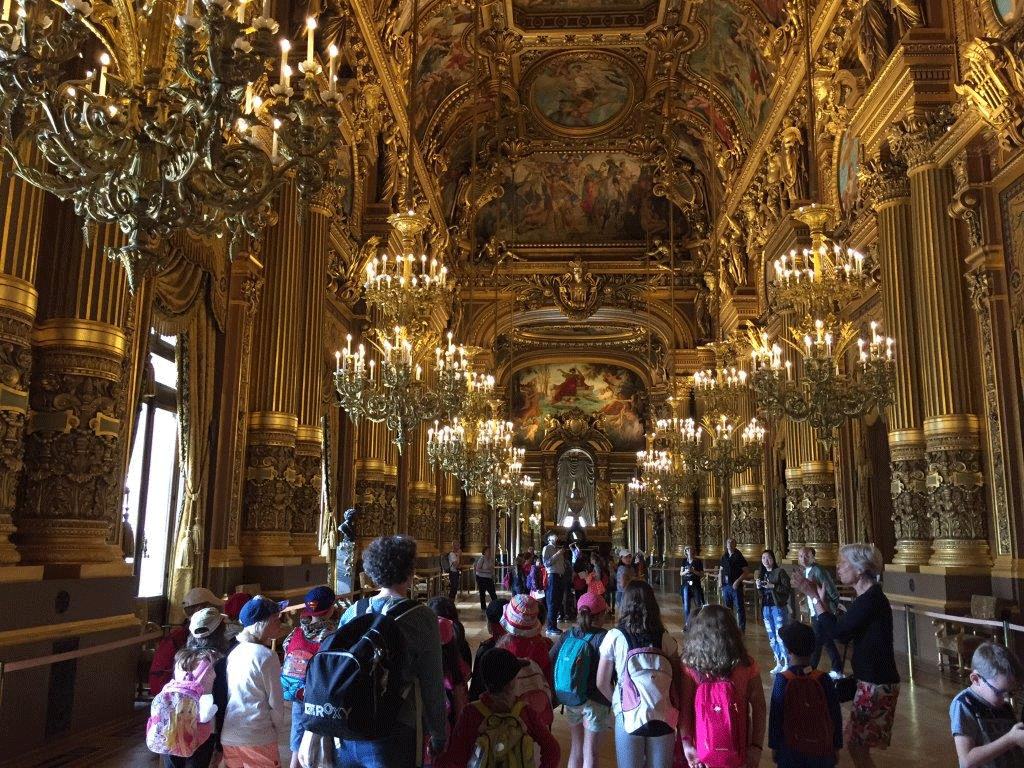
<point x="807" y="731"/>
<point x="721" y="716"/>
<point x="298" y="651"/>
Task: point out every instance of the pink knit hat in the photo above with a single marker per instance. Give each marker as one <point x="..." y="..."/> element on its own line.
<point x="520" y="617"/>
<point x="593" y="602"/>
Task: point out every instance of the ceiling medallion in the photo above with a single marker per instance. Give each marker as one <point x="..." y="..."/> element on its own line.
<point x="581" y="93"/>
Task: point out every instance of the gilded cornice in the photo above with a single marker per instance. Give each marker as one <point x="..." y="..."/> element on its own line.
<point x="394" y="93"/>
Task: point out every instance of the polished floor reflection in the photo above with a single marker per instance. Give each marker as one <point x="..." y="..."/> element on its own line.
<point x="921" y="735"/>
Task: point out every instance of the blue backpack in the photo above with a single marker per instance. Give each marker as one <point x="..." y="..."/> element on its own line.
<point x="575" y="660"/>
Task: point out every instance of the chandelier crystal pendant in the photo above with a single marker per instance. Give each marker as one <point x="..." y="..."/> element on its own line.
<point x="154" y="148"/>
<point x="821" y="392"/>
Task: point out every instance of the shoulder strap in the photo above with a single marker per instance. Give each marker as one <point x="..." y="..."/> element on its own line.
<point x="400" y="608"/>
<point x="200" y="671"/>
<point x="517" y="708"/>
<point x="482" y="708"/>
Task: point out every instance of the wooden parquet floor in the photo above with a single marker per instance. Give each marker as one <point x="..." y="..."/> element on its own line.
<point x="921" y="734"/>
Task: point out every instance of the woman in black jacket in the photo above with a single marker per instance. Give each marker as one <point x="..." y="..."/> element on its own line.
<point x="868" y="624"/>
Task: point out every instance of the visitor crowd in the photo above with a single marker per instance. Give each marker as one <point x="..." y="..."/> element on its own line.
<point x="392" y="682"/>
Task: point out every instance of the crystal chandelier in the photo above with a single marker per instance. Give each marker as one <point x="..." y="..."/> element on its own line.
<point x="171" y="136"/>
<point x="399" y="392"/>
<point x="674" y="473"/>
<point x="820" y="392"/>
<point x="726" y="451"/>
<point x="405" y="289"/>
<point x="647" y="492"/>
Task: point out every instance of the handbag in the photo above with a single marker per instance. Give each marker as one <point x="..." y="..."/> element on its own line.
<point x="846" y="686"/>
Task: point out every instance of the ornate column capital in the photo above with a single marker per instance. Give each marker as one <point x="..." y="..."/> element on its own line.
<point x="913" y="138"/>
<point x="884" y="179"/>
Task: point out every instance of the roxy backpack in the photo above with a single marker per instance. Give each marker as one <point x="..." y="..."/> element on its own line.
<point x="721" y="715"/>
<point x="174" y="727"/>
<point x="576" y="658"/>
<point x="647" y="689"/>
<point x="298" y="651"/>
<point x="502" y="740"/>
<point x="805" y="712"/>
<point x="354" y="683"/>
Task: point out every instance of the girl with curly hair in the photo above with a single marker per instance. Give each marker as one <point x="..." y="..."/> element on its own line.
<point x="719" y="668"/>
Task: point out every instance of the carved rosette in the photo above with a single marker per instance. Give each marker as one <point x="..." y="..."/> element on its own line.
<point x="956" y="494"/>
<point x="748" y="519"/>
<point x="819" y="509"/>
<point x="70" y="494"/>
<point x="306" y="498"/>
<point x="271" y="480"/>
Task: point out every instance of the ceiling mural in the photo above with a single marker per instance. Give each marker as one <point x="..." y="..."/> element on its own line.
<point x="582" y="91"/>
<point x="615" y="394"/>
<point x="731" y="60"/>
<point x="446" y="61"/>
<point x="597" y="197"/>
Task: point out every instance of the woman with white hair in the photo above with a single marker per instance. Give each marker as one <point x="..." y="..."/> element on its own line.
<point x="868" y="624"/>
<point x="257" y="714"/>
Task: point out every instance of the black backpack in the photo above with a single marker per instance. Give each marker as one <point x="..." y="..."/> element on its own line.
<point x="354" y="682"/>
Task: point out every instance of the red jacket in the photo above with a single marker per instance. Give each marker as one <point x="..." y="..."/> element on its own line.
<point x="463" y="741"/>
<point x="162" y="669"/>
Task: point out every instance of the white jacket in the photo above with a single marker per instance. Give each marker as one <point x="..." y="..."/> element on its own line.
<point x="257" y="713"/>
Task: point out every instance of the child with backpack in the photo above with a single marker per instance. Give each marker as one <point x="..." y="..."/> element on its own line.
<point x="257" y="715"/>
<point x="319" y="619"/>
<point x="805" y="724"/>
<point x="575" y="655"/>
<point x="986" y="731"/>
<point x="499" y="730"/>
<point x="186" y="714"/>
<point x="454" y="656"/>
<point x="495" y="611"/>
<point x="722" y="722"/>
<point x="524" y="640"/>
<point x="644" y="658"/>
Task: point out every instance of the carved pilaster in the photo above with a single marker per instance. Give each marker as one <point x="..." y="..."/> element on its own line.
<point x="820" y="524"/>
<point x="423" y="517"/>
<point x="449" y="519"/>
<point x="748" y="519"/>
<point x="307" y="494"/>
<point x="378" y="515"/>
<point x="794" y="512"/>
<point x="271" y="479"/>
<point x="680" y="528"/>
<point x="477" y="529"/>
<point x="712" y="534"/>
<point x="15" y="366"/>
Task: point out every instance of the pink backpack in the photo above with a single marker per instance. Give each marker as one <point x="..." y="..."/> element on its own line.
<point x="173" y="727"/>
<point x="531" y="688"/>
<point x="721" y="715"/>
<point x="298" y="652"/>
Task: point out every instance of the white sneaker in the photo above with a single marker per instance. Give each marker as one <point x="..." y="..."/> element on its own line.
<point x="778" y="668"/>
<point x="836" y="675"/>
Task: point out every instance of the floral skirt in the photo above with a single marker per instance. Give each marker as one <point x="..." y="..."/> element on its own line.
<point x="870" y="723"/>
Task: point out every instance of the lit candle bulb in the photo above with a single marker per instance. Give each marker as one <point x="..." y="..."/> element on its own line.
<point x="273" y="141"/>
<point x="286" y="46"/>
<point x="104" y="63"/>
<point x="310" y="29"/>
<point x="337" y="360"/>
<point x="240" y="12"/>
<point x="332" y="67"/>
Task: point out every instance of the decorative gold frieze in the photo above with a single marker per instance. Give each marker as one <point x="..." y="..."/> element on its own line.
<point x="748" y="519"/>
<point x="993" y="83"/>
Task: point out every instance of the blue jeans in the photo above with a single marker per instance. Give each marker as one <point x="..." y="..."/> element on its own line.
<point x="297" y="725"/>
<point x="397" y="748"/>
<point x="555" y="598"/>
<point x="733" y="600"/>
<point x="690" y="592"/>
<point x="775" y="618"/>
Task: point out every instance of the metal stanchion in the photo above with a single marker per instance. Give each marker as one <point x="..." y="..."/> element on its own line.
<point x="910" y="647"/>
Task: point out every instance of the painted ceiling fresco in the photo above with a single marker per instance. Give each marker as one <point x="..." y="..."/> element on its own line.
<point x="730" y="59"/>
<point x="582" y="91"/>
<point x="597" y="197"/>
<point x="446" y="61"/>
<point x="616" y="394"/>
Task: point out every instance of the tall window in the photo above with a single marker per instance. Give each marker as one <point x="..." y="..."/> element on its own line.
<point x="154" y="476"/>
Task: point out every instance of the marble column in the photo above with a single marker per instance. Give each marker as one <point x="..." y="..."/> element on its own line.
<point x="887" y="183"/>
<point x="313" y="371"/>
<point x="272" y="474"/>
<point x="22" y="205"/>
<point x="954" y="480"/>
<point x="70" y="496"/>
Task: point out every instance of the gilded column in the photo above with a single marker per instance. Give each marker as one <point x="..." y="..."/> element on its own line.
<point x="19" y="249"/>
<point x="820" y="520"/>
<point x="70" y="496"/>
<point x="680" y="528"/>
<point x="271" y="474"/>
<point x="477" y="529"/>
<point x="423" y="517"/>
<point x="307" y="499"/>
<point x="747" y="499"/>
<point x="711" y="531"/>
<point x="955" y="482"/>
<point x="450" y="507"/>
<point x="890" y="187"/>
<point x="794" y="513"/>
<point x="377" y="514"/>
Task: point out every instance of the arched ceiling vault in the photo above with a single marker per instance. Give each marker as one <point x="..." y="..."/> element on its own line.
<point x="576" y="161"/>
